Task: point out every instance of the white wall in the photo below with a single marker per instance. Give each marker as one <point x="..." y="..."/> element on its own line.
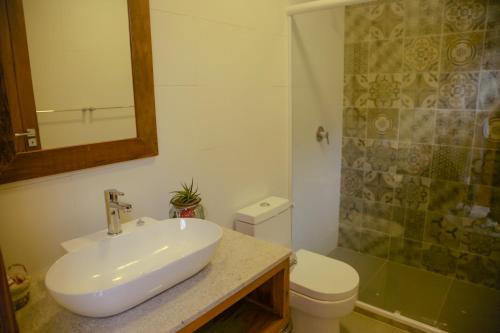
<point x="317" y="74"/>
<point x="221" y="104"/>
<point x="80" y="58"/>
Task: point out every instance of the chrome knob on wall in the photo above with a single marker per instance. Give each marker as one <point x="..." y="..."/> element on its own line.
<point x="322" y="134"/>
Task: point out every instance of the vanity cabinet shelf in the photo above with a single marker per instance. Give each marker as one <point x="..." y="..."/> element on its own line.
<point x="262" y="306"/>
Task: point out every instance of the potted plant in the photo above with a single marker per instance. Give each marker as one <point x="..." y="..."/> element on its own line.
<point x="186" y="202"/>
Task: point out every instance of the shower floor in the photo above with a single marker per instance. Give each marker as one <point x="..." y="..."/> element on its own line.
<point x="452" y="305"/>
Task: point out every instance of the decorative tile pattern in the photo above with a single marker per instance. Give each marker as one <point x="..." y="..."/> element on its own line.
<point x="414" y="159"/>
<point x="357" y="23"/>
<point x="421" y="54"/>
<point x="381" y="155"/>
<point x="386" y="56"/>
<point x="356" y="58"/>
<point x="462" y="52"/>
<point x="353" y="153"/>
<point x="384" y="90"/>
<point x="464" y="15"/>
<point x="351" y="210"/>
<point x="448" y="197"/>
<point x="416" y="125"/>
<point x="374" y="243"/>
<point x="379" y="187"/>
<point x="454" y="128"/>
<point x="493" y="140"/>
<point x="420" y="179"/>
<point x="405" y="251"/>
<point x="477" y="269"/>
<point x="458" y="90"/>
<point x="377" y="216"/>
<point x="443" y="229"/>
<point x="414" y="224"/>
<point x="387" y="20"/>
<point x="489" y="91"/>
<point x="485" y="167"/>
<point x="421" y="18"/>
<point x="450" y="163"/>
<point x="491" y="56"/>
<point x="413" y="193"/>
<point x="493" y="19"/>
<point x="439" y="259"/>
<point x="354" y="123"/>
<point x="383" y="123"/>
<point x="352" y="183"/>
<point x="355" y="91"/>
<point x="419" y="90"/>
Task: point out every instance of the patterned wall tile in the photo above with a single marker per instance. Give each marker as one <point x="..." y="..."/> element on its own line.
<point x="485" y="167"/>
<point x="481" y="244"/>
<point x="413" y="192"/>
<point x="450" y="163"/>
<point x="421" y="18"/>
<point x="462" y="52"/>
<point x="383" y="123"/>
<point x="381" y="155"/>
<point x="419" y="90"/>
<point x="354" y="123"/>
<point x="454" y="127"/>
<point x="405" y="251"/>
<point x="439" y="259"/>
<point x="491" y="56"/>
<point x="357" y="23"/>
<point x="352" y="183"/>
<point x="414" y="159"/>
<point x="478" y="269"/>
<point x="375" y="243"/>
<point x="377" y="216"/>
<point x="458" y="90"/>
<point x="356" y="91"/>
<point x="416" y="125"/>
<point x="387" y="20"/>
<point x="414" y="224"/>
<point x="386" y="56"/>
<point x="356" y="58"/>
<point x="421" y="54"/>
<point x="493" y="140"/>
<point x="493" y="18"/>
<point x="353" y="153"/>
<point x="384" y="90"/>
<point x="464" y="15"/>
<point x="397" y="224"/>
<point x="443" y="229"/>
<point x="448" y="197"/>
<point x="351" y="211"/>
<point x="489" y="90"/>
<point x="349" y="237"/>
<point x="379" y="186"/>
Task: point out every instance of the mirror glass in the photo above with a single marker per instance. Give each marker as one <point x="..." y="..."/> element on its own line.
<point x="81" y="70"/>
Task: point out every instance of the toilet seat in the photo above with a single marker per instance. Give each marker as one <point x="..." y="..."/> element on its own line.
<point x="322" y="278"/>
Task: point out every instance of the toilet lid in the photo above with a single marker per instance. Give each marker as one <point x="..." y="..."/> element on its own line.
<point x="323" y="278"/>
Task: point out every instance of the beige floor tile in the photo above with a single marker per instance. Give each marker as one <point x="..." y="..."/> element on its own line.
<point x="358" y="323"/>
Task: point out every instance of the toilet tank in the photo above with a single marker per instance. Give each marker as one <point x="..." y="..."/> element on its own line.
<point x="268" y="219"/>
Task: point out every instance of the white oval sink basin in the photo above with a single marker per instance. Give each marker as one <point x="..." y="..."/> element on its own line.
<point x="119" y="272"/>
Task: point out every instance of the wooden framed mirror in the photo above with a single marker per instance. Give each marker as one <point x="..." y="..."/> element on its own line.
<point x="23" y="154"/>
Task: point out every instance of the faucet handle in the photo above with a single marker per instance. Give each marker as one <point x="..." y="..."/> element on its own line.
<point x="112" y="194"/>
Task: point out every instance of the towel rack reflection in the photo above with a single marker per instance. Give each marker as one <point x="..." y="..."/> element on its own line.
<point x="85" y="109"/>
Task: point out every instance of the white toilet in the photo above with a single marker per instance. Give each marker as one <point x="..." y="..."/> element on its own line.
<point x="322" y="289"/>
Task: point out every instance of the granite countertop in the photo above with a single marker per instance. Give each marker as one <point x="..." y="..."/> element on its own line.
<point x="237" y="262"/>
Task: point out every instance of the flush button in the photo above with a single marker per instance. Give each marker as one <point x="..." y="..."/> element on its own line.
<point x="265" y="204"/>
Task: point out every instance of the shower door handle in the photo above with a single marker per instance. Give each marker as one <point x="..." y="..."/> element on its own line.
<point x="322" y="134"/>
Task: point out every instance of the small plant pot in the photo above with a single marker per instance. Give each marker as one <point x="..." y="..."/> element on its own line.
<point x="194" y="210"/>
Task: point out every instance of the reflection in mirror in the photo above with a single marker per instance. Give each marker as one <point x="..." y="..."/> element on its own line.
<point x="81" y="70"/>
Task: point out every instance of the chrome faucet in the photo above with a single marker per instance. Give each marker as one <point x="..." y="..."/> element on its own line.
<point x="113" y="208"/>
